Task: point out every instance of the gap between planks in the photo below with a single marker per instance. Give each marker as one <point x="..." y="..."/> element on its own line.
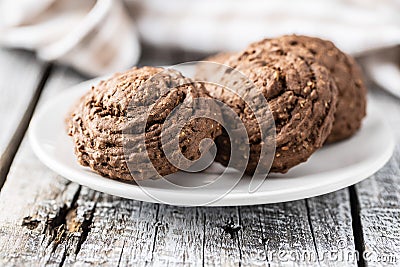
<point x="121" y="228"/>
<point x="7" y="157"/>
<point x="356" y="224"/>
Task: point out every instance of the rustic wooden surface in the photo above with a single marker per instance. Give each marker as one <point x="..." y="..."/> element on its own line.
<point x="19" y="89"/>
<point x="47" y="220"/>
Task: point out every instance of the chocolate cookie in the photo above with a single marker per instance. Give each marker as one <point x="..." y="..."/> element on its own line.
<point x="301" y="96"/>
<point x="107" y="135"/>
<point x="351" y="105"/>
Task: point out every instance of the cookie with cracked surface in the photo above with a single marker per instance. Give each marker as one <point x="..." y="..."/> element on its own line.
<point x="301" y="96"/>
<point x="351" y="105"/>
<point x="117" y="143"/>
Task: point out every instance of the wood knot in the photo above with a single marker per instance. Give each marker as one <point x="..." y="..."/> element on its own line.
<point x="30" y="222"/>
<point x="231" y="228"/>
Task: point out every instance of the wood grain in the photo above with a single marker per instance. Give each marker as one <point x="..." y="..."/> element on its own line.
<point x="20" y="76"/>
<point x="35" y="203"/>
<point x="331" y="222"/>
<point x="378" y="197"/>
<point x="379" y="211"/>
<point x="46" y="220"/>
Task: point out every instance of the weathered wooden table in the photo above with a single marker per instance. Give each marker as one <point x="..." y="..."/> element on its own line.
<point x="47" y="220"/>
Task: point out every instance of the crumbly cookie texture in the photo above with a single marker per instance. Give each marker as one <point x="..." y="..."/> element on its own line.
<point x="351" y="104"/>
<point x="301" y="95"/>
<point x="98" y="122"/>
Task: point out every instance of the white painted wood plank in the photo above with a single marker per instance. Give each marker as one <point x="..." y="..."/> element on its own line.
<point x="35" y="203"/>
<point x="180" y="236"/>
<point x="121" y="232"/>
<point x="379" y="210"/>
<point x="379" y="196"/>
<point x="298" y="233"/>
<point x="19" y="78"/>
<point x="252" y="237"/>
<point x="287" y="230"/>
<point x="331" y="221"/>
<point x="221" y="239"/>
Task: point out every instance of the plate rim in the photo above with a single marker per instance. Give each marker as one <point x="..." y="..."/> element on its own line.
<point x="109" y="186"/>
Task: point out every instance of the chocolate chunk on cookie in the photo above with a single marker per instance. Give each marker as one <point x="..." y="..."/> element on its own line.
<point x="351" y="105"/>
<point x="118" y="143"/>
<point x="301" y="96"/>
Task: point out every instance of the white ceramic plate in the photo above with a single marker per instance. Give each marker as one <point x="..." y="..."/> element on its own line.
<point x="329" y="169"/>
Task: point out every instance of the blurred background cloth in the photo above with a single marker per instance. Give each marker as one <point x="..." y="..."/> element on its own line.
<point x="103" y="36"/>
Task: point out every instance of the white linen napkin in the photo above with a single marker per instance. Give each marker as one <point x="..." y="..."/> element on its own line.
<point x="95" y="37"/>
<point x="102" y="36"/>
<point x="383" y="68"/>
<point x="355" y="26"/>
